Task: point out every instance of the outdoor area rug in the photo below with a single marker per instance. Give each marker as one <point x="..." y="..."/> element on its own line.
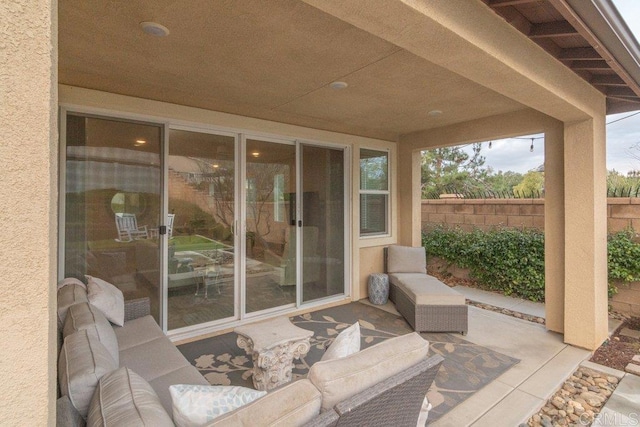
<point x="466" y="369"/>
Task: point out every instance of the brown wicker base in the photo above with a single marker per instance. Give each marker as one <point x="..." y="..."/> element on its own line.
<point x="430" y="318"/>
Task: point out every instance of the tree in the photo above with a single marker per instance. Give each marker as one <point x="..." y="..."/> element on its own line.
<point x="502" y="183"/>
<point x="451" y="170"/>
<point x="532" y="185"/>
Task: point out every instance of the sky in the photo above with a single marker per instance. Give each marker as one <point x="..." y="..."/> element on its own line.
<point x="622" y="136"/>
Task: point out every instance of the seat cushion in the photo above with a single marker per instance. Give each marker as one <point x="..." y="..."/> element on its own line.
<point x="137" y="331"/>
<point x="183" y="375"/>
<point x="68" y="295"/>
<point x="85" y="316"/>
<point x="83" y="361"/>
<point x="124" y="398"/>
<point x="340" y="379"/>
<point x="295" y="404"/>
<point x="153" y="359"/>
<point x="405" y="259"/>
<point x="426" y="290"/>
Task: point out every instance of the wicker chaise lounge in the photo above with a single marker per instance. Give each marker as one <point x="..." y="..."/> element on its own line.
<point x="425" y="302"/>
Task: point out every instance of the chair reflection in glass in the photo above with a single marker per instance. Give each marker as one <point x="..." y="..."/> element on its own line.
<point x="210" y="275"/>
<point x="128" y="230"/>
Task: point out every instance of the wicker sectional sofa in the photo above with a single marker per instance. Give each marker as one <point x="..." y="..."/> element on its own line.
<point x="425" y="302"/>
<point x="119" y="376"/>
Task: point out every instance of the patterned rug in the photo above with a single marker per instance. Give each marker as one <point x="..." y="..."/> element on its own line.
<point x="466" y="369"/>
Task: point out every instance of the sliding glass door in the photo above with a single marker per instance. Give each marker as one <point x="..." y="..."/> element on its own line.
<point x="201" y="277"/>
<point x="112" y="207"/>
<point x="211" y="227"/>
<point x="270" y="231"/>
<point x="323" y="222"/>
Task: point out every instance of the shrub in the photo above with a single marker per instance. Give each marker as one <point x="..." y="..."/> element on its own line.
<point x="512" y="261"/>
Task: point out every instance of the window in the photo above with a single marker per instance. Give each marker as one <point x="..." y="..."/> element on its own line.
<point x="374" y="192"/>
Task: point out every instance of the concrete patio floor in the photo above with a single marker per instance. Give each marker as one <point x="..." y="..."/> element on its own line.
<point x="545" y="362"/>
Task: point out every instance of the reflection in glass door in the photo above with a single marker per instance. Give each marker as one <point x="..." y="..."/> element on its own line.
<point x="323" y="222"/>
<point x="270" y="187"/>
<point x="201" y="260"/>
<point x="112" y="205"/>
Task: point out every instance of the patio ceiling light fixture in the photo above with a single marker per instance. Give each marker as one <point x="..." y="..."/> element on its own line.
<point x="256" y="154"/>
<point x="139" y="142"/>
<point x="434" y="113"/>
<point x="338" y="85"/>
<point x="154" y="29"/>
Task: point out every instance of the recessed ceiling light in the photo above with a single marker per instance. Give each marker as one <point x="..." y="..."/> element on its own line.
<point x="216" y="166"/>
<point x="256" y="154"/>
<point x="338" y="85"/>
<point x="140" y="141"/>
<point x="154" y="29"/>
<point x="434" y="113"/>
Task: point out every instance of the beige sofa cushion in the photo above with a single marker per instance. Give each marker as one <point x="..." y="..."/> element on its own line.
<point x="405" y="259"/>
<point x="69" y="295"/>
<point x="340" y="379"/>
<point x="123" y="398"/>
<point x="83" y="361"/>
<point x="292" y="405"/>
<point x="85" y="316"/>
<point x="426" y="290"/>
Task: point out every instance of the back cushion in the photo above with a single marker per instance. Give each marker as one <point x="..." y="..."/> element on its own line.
<point x="124" y="398"/>
<point x="69" y="295"/>
<point x="83" y="361"/>
<point x="340" y="379"/>
<point x="405" y="259"/>
<point x="85" y="316"/>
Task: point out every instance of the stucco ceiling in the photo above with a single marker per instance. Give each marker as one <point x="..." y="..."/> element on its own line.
<point x="271" y="60"/>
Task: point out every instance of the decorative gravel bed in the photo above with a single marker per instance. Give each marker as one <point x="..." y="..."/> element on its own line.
<point x="577" y="402"/>
<point x="516" y="314"/>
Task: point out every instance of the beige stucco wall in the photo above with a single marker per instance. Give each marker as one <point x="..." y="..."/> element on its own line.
<point x="28" y="149"/>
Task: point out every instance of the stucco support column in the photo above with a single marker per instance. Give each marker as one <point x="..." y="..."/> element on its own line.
<point x="28" y="198"/>
<point x="585" y="292"/>
<point x="409" y="196"/>
<point x="554" y="215"/>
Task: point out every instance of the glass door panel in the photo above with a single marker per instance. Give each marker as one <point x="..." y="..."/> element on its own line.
<point x="323" y="206"/>
<point x="201" y="272"/>
<point x="270" y="186"/>
<point x="112" y="204"/>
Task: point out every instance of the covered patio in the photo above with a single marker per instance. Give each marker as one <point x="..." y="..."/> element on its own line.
<point x="359" y="77"/>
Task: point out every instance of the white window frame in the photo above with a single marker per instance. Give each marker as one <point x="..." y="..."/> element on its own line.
<point x="387" y="192"/>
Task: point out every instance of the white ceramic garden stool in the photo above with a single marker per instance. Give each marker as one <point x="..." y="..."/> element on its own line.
<point x="378" y="287"/>
<point x="273" y="344"/>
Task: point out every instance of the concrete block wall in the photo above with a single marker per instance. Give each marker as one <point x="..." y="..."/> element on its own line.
<point x="622" y="213"/>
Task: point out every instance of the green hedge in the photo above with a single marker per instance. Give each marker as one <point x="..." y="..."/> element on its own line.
<point x="512" y="261"/>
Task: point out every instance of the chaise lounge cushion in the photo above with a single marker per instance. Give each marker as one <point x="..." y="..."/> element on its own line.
<point x="84" y="316"/>
<point x="83" y="361"/>
<point x="294" y="404"/>
<point x="340" y="379"/>
<point x="426" y="290"/>
<point x="124" y="398"/>
<point x="405" y="259"/>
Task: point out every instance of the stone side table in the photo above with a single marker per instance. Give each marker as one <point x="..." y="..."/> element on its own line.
<point x="273" y="344"/>
<point x="378" y="287"/>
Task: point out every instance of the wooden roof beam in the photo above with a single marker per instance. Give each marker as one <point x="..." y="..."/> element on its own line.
<point x="552" y="29"/>
<point x="579" y="53"/>
<point x="590" y="65"/>
<point x="505" y="3"/>
<point x="621" y="92"/>
<point x="607" y="80"/>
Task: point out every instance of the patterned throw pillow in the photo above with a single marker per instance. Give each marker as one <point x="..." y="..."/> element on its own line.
<point x="196" y="405"/>
<point x="346" y="343"/>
